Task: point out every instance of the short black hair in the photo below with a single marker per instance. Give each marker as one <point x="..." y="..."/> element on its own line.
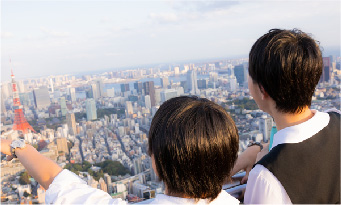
<point x="194" y="143"/>
<point x="288" y="65"/>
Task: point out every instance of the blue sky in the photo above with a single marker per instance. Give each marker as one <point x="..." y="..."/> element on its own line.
<point x="65" y="37"/>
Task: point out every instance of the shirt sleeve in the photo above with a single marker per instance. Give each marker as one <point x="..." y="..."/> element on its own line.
<point x="264" y="188"/>
<point x="68" y="188"/>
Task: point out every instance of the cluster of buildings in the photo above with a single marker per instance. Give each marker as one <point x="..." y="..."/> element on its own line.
<point x="66" y="112"/>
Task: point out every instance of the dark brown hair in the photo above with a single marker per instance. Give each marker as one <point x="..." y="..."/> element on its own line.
<point x="288" y="65"/>
<point x="195" y="144"/>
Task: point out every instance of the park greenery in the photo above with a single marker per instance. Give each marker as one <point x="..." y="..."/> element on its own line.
<point x="24" y="178"/>
<point x="101" y="113"/>
<point x="113" y="168"/>
<point x="244" y="103"/>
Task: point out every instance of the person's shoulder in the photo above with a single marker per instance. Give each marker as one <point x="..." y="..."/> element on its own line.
<point x="261" y="173"/>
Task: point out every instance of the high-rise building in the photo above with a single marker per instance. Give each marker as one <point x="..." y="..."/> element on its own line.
<point x="149" y="89"/>
<point x="158" y="96"/>
<point x="192" y="82"/>
<point x="94" y="90"/>
<point x="232" y="80"/>
<point x="265" y="126"/>
<point x="239" y="72"/>
<point x="91" y="111"/>
<point x="137" y="165"/>
<point x="73" y="94"/>
<point x="326" y="73"/>
<point x="147" y="101"/>
<point x="168" y="94"/>
<point x="51" y="85"/>
<point x="100" y="88"/>
<point x="138" y="86"/>
<point x="63" y="107"/>
<point x="184" y="84"/>
<point x="125" y="87"/>
<point x="164" y="82"/>
<point x="71" y="123"/>
<point x="41" y="98"/>
<point x="129" y="108"/>
<point x="62" y="145"/>
<point x="202" y="84"/>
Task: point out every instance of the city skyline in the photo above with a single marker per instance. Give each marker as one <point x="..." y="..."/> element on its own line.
<point x="56" y="37"/>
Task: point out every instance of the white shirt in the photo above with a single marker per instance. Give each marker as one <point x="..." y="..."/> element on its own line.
<point x="68" y="188"/>
<point x="262" y="186"/>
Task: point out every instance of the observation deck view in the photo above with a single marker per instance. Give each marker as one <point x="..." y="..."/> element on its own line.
<point x="88" y="100"/>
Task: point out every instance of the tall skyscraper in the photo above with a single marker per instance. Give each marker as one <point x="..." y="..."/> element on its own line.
<point x="100" y="88"/>
<point x="41" y="98"/>
<point x="149" y="89"/>
<point x="326" y="73"/>
<point x="202" y="84"/>
<point x="164" y="82"/>
<point x="192" y="82"/>
<point x="63" y="107"/>
<point x="125" y="87"/>
<point x="265" y="126"/>
<point x="129" y="108"/>
<point x="51" y="85"/>
<point x="95" y="92"/>
<point x="232" y="80"/>
<point x="239" y="72"/>
<point x="147" y="101"/>
<point x="138" y="86"/>
<point x="158" y="96"/>
<point x="91" y="111"/>
<point x="137" y="165"/>
<point x="73" y="94"/>
<point x="71" y="123"/>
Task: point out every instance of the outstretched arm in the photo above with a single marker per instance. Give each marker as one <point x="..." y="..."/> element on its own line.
<point x="248" y="158"/>
<point x="42" y="169"/>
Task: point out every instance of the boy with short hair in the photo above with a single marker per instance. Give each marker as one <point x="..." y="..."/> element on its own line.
<point x="303" y="165"/>
<point x="193" y="143"/>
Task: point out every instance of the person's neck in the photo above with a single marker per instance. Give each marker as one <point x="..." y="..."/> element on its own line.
<point x="180" y="195"/>
<point x="284" y="120"/>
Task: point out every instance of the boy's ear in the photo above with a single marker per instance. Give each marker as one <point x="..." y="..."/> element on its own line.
<point x="264" y="93"/>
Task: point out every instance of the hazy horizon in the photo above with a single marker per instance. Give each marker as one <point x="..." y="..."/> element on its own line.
<point x="57" y="37"/>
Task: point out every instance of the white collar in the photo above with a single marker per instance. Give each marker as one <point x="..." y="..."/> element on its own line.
<point x="299" y="133"/>
<point x="222" y="198"/>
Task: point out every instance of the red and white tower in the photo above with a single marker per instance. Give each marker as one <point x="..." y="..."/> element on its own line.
<point x="20" y="122"/>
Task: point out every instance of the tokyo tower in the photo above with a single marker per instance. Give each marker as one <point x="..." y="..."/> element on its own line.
<point x="20" y="122"/>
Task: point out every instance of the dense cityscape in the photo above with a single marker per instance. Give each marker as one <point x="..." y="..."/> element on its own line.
<point x="97" y="125"/>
